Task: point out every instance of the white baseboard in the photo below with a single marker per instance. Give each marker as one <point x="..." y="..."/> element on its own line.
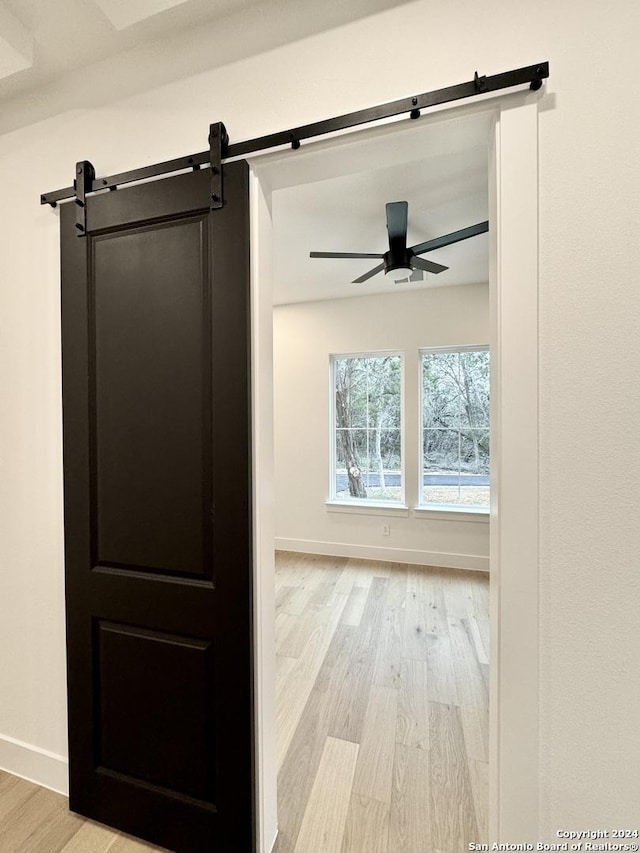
<point x="393" y="555"/>
<point x="37" y="765"/>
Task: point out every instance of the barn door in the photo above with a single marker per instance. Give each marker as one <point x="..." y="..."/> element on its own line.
<point x="155" y="319"/>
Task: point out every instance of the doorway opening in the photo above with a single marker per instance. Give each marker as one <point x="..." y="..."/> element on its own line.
<point x="315" y="570"/>
<point x="381" y="393"/>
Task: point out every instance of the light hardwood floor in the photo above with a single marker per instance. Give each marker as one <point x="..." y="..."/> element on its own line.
<point x="383" y="709"/>
<point x="35" y="820"/>
<point x="382" y="718"/>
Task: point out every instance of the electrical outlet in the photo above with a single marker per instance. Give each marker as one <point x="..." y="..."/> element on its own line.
<point x="386" y="529"/>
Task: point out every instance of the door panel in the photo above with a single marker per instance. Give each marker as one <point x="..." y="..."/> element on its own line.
<point x="152" y="411"/>
<point x="136" y="715"/>
<point x="155" y="324"/>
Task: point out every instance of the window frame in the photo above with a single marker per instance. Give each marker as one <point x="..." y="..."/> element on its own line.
<point x="432" y="510"/>
<point x="334" y="502"/>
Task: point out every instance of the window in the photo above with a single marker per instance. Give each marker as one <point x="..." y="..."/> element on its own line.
<point x="367" y="428"/>
<point x="455" y="428"/>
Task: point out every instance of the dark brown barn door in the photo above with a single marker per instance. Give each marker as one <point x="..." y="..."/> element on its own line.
<point x="157" y="452"/>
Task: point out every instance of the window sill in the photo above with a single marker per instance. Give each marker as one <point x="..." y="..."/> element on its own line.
<point x="452" y="513"/>
<point x="367" y="508"/>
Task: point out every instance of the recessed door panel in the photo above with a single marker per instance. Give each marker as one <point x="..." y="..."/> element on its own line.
<point x="152" y="385"/>
<point x="154" y="715"/>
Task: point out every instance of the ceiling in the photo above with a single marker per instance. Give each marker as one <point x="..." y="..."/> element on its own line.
<point x="57" y="54"/>
<point x="43" y="39"/>
<point x="446" y="191"/>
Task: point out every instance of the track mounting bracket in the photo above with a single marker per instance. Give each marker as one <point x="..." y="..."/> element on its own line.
<point x="218" y="143"/>
<point x="83" y="184"/>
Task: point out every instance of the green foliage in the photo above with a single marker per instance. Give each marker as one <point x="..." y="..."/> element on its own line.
<point x="373" y="388"/>
<point x="368" y="418"/>
<point x="455" y="410"/>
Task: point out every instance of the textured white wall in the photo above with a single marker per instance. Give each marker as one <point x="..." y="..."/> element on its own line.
<point x="589" y="343"/>
<point x="305" y="334"/>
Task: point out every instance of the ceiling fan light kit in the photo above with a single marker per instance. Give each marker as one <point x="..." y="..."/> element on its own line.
<point x="401" y="260"/>
<point x="403" y="271"/>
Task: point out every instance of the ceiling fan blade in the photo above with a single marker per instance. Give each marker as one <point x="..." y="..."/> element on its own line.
<point x="397" y="213"/>
<point x="427" y="266"/>
<point x="369" y="274"/>
<point x="343" y="255"/>
<point x="448" y="239"/>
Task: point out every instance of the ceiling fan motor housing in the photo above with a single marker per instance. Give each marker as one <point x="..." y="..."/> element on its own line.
<point x="398" y="259"/>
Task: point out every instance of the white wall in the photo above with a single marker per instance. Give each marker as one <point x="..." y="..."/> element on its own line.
<point x="589" y="344"/>
<point x="305" y="334"/>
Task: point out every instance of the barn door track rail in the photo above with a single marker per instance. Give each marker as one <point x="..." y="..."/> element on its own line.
<point x="86" y="182"/>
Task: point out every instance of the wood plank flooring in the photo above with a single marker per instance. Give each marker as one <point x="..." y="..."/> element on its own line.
<point x="382" y="718"/>
<point x="35" y="820"/>
<point x="383" y="707"/>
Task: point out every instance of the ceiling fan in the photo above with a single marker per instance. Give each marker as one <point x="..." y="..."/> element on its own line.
<point x="400" y="259"/>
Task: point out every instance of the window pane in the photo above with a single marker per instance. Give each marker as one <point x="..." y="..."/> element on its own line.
<point x="367" y="428"/>
<point x="474" y="451"/>
<point x="441" y="466"/>
<point x="455" y="410"/>
<point x="383" y="392"/>
<point x="351" y="378"/>
<point x="474" y="389"/>
<point x="352" y="463"/>
<point x="474" y="459"/>
<point x="384" y="477"/>
<point x="440" y="396"/>
<point x="441" y="451"/>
